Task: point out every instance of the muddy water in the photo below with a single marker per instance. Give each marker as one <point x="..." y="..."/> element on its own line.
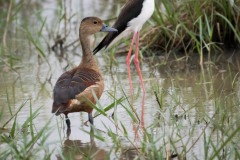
<point x="188" y="94"/>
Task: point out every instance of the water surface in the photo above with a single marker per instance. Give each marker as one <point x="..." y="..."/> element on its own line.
<point x="188" y="94"/>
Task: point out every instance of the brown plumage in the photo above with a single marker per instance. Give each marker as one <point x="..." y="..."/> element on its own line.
<point x="75" y="89"/>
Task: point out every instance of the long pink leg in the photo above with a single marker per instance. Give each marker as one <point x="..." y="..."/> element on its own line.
<point x="130" y="79"/>
<point x="142" y="114"/>
<point x="128" y="63"/>
<point x="136" y="61"/>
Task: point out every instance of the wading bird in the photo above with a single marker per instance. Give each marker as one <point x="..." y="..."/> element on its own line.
<point x="77" y="88"/>
<point x="131" y="19"/>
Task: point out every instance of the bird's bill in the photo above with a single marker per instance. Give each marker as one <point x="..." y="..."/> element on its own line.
<point x="105" y="28"/>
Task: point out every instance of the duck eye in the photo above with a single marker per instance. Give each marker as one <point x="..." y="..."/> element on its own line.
<point x="95" y="22"/>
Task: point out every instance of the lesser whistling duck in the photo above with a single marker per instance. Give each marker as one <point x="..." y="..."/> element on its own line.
<point x="131" y="19"/>
<point x="74" y="89"/>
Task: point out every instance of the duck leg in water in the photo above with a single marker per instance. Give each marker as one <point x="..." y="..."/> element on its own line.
<point x="67" y="121"/>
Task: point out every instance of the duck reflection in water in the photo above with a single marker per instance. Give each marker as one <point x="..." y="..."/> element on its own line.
<point x="76" y="149"/>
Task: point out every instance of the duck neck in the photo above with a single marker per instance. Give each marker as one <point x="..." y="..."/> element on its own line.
<point x="88" y="59"/>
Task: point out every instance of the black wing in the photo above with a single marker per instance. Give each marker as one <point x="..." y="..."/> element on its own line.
<point x="131" y="10"/>
<point x="72" y="83"/>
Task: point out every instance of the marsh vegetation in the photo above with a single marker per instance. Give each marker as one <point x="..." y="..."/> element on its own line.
<point x="190" y="65"/>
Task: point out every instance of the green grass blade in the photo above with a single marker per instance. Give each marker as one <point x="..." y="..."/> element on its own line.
<point x="228" y="139"/>
<point x="13" y="129"/>
<point x="130" y="113"/>
<point x="118" y="101"/>
<point x="19" y="109"/>
<point x="230" y="25"/>
<point x="124" y="130"/>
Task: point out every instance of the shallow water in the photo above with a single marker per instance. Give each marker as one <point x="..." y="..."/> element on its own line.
<point x="188" y="93"/>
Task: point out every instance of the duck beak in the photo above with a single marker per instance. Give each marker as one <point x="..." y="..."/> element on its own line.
<point x="105" y="28"/>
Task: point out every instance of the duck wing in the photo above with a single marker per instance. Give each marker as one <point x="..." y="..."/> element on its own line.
<point x="72" y="83"/>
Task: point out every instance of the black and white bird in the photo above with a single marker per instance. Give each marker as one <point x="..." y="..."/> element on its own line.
<point x="131" y="19"/>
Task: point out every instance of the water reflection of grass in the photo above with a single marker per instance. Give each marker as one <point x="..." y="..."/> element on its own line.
<point x="182" y="125"/>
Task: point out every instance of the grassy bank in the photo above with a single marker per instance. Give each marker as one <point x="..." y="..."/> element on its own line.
<point x="194" y="26"/>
